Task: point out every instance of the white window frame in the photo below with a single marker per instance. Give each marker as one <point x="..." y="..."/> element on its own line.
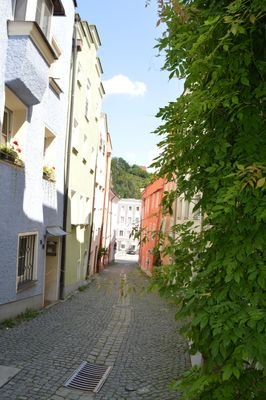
<point x="41" y="7"/>
<point x="7" y="136"/>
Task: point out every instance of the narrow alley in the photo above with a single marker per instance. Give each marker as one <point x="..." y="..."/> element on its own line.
<point x="134" y="334"/>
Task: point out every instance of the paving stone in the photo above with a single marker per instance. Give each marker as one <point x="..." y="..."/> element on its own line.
<point x="136" y="335"/>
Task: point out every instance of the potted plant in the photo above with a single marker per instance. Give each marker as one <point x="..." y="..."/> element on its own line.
<point x="48" y="173"/>
<point x="10" y="152"/>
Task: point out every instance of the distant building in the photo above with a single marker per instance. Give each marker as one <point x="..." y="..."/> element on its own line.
<point x="150" y="223"/>
<point x="128" y="216"/>
<point x="156" y="225"/>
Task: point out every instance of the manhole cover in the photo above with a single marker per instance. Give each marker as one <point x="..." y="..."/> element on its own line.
<point x="89" y="377"/>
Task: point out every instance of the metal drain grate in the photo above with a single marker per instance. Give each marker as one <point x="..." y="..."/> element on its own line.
<point x="89" y="377"/>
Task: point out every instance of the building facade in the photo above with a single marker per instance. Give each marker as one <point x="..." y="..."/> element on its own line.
<point x="151" y="220"/>
<point x="111" y="227"/>
<point x="156" y="224"/>
<point x="128" y="217"/>
<point x="101" y="190"/>
<point x="36" y="41"/>
<point x="82" y="154"/>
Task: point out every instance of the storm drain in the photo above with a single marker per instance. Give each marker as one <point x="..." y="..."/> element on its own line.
<point x="89" y="377"/>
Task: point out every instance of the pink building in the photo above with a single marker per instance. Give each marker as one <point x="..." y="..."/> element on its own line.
<point x="150" y="223"/>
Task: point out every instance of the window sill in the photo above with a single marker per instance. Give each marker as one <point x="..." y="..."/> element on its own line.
<point x="26" y="285"/>
<point x="9" y="160"/>
<point x="55" y="87"/>
<point x="32" y="29"/>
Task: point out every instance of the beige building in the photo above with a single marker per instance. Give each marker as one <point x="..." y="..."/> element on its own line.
<point x="83" y="145"/>
<point x="99" y="248"/>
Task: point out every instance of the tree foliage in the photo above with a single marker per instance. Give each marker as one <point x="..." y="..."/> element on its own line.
<point x="128" y="180"/>
<point x="213" y="142"/>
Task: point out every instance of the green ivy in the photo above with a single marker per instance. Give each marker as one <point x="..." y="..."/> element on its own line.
<point x="214" y="143"/>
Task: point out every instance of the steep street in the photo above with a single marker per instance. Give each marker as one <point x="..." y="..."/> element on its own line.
<point x="114" y="322"/>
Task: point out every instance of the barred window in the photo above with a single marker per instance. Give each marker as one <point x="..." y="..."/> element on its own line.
<point x="26" y="258"/>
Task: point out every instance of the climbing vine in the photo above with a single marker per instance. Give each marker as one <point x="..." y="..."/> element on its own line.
<point x="213" y="142"/>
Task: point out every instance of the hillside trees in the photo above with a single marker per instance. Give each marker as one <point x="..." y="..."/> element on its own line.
<point x="213" y="142"/>
<point x="128" y="180"/>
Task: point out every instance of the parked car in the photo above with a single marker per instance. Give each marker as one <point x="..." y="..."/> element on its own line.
<point x="131" y="251"/>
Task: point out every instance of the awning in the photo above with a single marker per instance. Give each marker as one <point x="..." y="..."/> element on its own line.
<point x="55" y="231"/>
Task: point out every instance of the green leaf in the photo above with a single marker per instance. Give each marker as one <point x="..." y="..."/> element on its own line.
<point x="261" y="182"/>
<point x="244" y="80"/>
<point x="227" y="372"/>
<point x="252" y="18"/>
<point x="235" y="100"/>
<point x="234" y="29"/>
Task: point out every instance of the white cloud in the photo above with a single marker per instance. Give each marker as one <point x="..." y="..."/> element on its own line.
<point x="121" y="84"/>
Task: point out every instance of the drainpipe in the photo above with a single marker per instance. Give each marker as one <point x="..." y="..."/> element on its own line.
<point x="68" y="152"/>
<point x="92" y="214"/>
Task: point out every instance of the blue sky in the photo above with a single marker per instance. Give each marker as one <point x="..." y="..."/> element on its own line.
<point x="135" y="84"/>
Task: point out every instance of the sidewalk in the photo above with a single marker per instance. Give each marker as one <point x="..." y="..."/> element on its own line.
<point x="136" y="335"/>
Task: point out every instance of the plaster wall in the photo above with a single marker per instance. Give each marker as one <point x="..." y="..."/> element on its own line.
<point x="84" y="145"/>
<point x="28" y="203"/>
<point x="5" y="13"/>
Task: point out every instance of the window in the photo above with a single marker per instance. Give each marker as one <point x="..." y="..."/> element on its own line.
<point x="85" y="148"/>
<point x="196" y="213"/>
<point x="13" y="119"/>
<point x="122" y="219"/>
<point x="129" y="220"/>
<point x="75" y="135"/>
<point x="49" y="148"/>
<point x="186" y="209"/>
<point x="6" y="133"/>
<point x="44" y="13"/>
<point x="130" y="208"/>
<point x="152" y="200"/>
<point x="26" y="258"/>
<point x="179" y="208"/>
<point x="137" y="208"/>
<point x="19" y="9"/>
<point x="121" y="233"/>
<point x="87" y="101"/>
<point x="79" y="74"/>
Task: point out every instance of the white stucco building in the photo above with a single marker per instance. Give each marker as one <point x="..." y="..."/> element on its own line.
<point x="128" y="216"/>
<point x="35" y="53"/>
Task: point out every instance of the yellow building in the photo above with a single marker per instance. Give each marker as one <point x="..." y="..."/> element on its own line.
<point x="81" y="153"/>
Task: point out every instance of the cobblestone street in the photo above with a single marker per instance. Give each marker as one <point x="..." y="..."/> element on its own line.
<point x="135" y="334"/>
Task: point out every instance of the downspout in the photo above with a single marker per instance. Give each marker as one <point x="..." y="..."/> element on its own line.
<point x="68" y="153"/>
<point x="92" y="214"/>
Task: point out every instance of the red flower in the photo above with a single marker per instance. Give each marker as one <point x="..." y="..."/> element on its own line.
<point x="15" y="143"/>
<point x="19" y="150"/>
